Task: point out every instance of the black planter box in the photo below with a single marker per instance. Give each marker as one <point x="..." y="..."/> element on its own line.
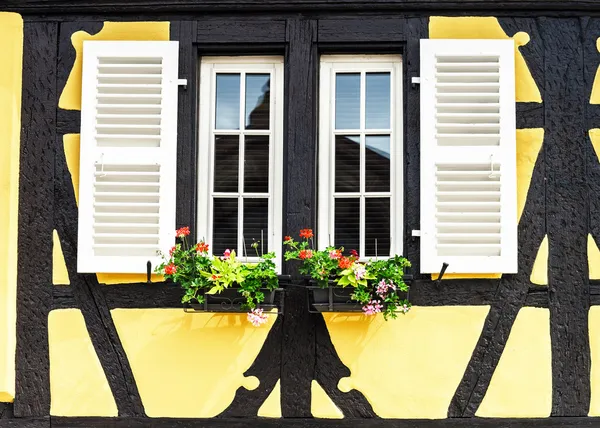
<point x="230" y="300"/>
<point x="333" y="298"/>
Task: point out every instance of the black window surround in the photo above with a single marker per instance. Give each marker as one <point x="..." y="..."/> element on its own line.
<point x="261" y="36"/>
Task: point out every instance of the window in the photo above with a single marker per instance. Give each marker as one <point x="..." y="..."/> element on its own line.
<point x="240" y="163"/>
<point x="360" y="154"/>
<point x="468" y="156"/>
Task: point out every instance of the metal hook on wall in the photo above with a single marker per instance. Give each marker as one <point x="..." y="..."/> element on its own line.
<point x="102" y="173"/>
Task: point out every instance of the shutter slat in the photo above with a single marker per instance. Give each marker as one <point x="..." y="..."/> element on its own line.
<point x="128" y="155"/>
<point x="468" y="172"/>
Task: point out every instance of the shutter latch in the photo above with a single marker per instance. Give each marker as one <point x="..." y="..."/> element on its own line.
<point x="415" y="81"/>
<point x="182" y="82"/>
<point x="416" y="233"/>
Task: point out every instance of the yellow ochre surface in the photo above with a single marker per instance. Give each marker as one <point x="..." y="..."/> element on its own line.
<point x="521" y="386"/>
<point x="539" y="273"/>
<point x="271" y="408"/>
<point x="60" y="275"/>
<point x="11" y="47"/>
<point x="70" y="99"/>
<point x="78" y="385"/>
<point x="321" y="406"/>
<point x="594" y="331"/>
<point x="429" y="347"/>
<point x="189" y="365"/>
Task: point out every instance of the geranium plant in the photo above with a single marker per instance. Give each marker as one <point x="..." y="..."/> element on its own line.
<point x="199" y="274"/>
<point x="377" y="284"/>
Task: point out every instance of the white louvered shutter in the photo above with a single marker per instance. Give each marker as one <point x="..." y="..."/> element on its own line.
<point x="468" y="156"/>
<point x="128" y="155"/>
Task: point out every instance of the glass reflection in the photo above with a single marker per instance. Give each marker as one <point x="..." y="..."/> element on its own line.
<point x="377" y="167"/>
<point x="257" y="101"/>
<point x="378" y="95"/>
<point x="347" y="101"/>
<point x="228" y="101"/>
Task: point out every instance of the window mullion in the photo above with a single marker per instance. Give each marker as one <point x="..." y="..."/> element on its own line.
<point x="240" y="241"/>
<point x="363" y="162"/>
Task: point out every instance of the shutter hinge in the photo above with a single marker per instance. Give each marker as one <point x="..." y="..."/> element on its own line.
<point x="182" y="82"/>
<point x="415" y="81"/>
<point x="416" y="233"/>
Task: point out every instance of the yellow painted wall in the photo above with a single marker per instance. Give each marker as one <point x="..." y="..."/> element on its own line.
<point x="78" y="386"/>
<point x="321" y="406"/>
<point x="189" y="365"/>
<point x="271" y="408"/>
<point x="60" y="275"/>
<point x="11" y="48"/>
<point x="594" y="330"/>
<point x="521" y="386"/>
<point x="70" y="99"/>
<point x="430" y="348"/>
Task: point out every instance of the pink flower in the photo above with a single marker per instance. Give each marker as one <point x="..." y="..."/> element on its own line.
<point x="383" y="288"/>
<point x="405" y="308"/>
<point x="335" y="254"/>
<point x="256" y="317"/>
<point x="359" y="272"/>
<point x="373" y="307"/>
<point x="354" y="253"/>
<point x="226" y="253"/>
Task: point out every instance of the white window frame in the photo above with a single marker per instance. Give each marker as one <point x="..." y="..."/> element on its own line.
<point x="209" y="67"/>
<point x="330" y="65"/>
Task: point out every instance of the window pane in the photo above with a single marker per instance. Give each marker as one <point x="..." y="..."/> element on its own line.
<point x="377" y="227"/>
<point x="377" y="153"/>
<point x="228" y="101"/>
<point x="256" y="224"/>
<point x="347" y="223"/>
<point x="347" y="163"/>
<point x="225" y="218"/>
<point x="256" y="166"/>
<point x="347" y="101"/>
<point x="227" y="156"/>
<point x="257" y="101"/>
<point x="377" y="102"/>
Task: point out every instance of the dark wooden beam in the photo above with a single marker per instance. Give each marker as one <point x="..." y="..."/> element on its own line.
<point x="207" y="6"/>
<point x="36" y="216"/>
<point x="58" y="422"/>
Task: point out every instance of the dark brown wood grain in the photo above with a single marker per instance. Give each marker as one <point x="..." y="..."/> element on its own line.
<point x="241" y="30"/>
<point x="36" y="215"/>
<point x="299" y="190"/>
<point x="187" y="125"/>
<point x="230" y="6"/>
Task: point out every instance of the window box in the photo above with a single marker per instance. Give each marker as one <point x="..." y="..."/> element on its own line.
<point x="231" y="301"/>
<point x="336" y="299"/>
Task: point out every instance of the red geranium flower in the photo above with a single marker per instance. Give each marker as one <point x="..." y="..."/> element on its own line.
<point x="287" y="238"/>
<point x="170" y="269"/>
<point x="305" y="254"/>
<point x="306" y="233"/>
<point x="202" y="247"/>
<point x="214" y="277"/>
<point x="354" y="253"/>
<point x="183" y="231"/>
<point x="172" y="250"/>
<point x="345" y="262"/>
